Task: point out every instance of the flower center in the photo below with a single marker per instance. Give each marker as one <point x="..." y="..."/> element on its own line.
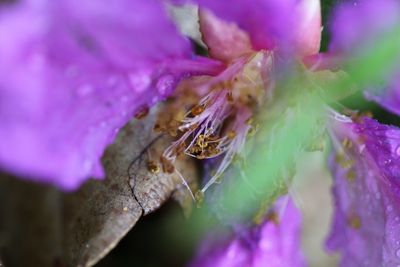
<point x="212" y="116"/>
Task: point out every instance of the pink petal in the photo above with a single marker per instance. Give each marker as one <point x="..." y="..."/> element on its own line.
<point x="274" y="24"/>
<point x="225" y="41"/>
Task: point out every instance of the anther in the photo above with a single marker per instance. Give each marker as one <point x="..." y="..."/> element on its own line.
<point x="218" y="179"/>
<point x="354" y="221"/>
<point x="157" y="127"/>
<point x="199" y="197"/>
<point x="153" y="167"/>
<point x="231" y="135"/>
<point x="273" y="217"/>
<point x="229" y="97"/>
<point x="351" y="175"/>
<point x="167" y="166"/>
<point x="197" y="110"/>
<point x="253" y="129"/>
<point x="249" y="121"/>
<point x="201" y="141"/>
<point x="347" y="143"/>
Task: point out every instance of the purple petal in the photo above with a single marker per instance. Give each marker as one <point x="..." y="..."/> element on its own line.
<point x="366" y="189"/>
<point x="274" y="243"/>
<point x="389" y="98"/>
<point x="73" y="73"/>
<point x="360" y="23"/>
<point x="356" y="22"/>
<point x="287" y="24"/>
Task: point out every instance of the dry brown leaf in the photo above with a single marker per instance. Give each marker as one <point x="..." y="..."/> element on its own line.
<point x="79" y="229"/>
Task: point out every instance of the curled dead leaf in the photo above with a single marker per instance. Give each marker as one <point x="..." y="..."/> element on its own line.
<point x="40" y="226"/>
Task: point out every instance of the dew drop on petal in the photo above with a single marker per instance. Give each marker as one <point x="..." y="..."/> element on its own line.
<point x="140" y="81"/>
<point x="112" y="80"/>
<point x="84" y="90"/>
<point x="165" y="84"/>
<point x="87" y="165"/>
<point x="103" y="124"/>
<point x="389" y="208"/>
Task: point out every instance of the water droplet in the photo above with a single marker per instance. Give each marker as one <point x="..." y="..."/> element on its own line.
<point x="140" y="81"/>
<point x="398" y="253"/>
<point x="87" y="165"/>
<point x="124" y="113"/>
<point x="72" y="71"/>
<point x="124" y="99"/>
<point x="389" y="208"/>
<point x="112" y="80"/>
<point x="84" y="90"/>
<point x="37" y="61"/>
<point x="165" y="84"/>
<point x="397" y="151"/>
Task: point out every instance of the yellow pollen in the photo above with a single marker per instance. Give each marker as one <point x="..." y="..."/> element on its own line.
<point x="343" y="161"/>
<point x="273" y="217"/>
<point x="167" y="166"/>
<point x="231" y="134"/>
<point x="347" y="143"/>
<point x="199" y="197"/>
<point x="218" y="179"/>
<point x="197" y="110"/>
<point x="252" y="131"/>
<point x="351" y="175"/>
<point x="229" y="97"/>
<point x="153" y="167"/>
<point x="201" y="141"/>
<point x="249" y="121"/>
<point x="354" y="221"/>
<point x="157" y="127"/>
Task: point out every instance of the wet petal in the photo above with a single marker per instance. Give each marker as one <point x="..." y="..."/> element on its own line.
<point x="389" y="97"/>
<point x="274" y="243"/>
<point x="366" y="189"/>
<point x="72" y="73"/>
<point x="225" y="41"/>
<point x="357" y="22"/>
<point x="286" y="24"/>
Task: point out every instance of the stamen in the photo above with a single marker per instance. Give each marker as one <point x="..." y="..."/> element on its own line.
<point x="185" y="184"/>
<point x="167" y="166"/>
<point x="153" y="167"/>
<point x="354" y="221"/>
<point x="197" y="110"/>
<point x="220" y="122"/>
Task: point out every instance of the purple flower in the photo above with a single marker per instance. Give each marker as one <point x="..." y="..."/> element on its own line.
<point x="248" y="44"/>
<point x="274" y="243"/>
<point x="367" y="193"/>
<point x="73" y="73"/>
<point x="356" y="23"/>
